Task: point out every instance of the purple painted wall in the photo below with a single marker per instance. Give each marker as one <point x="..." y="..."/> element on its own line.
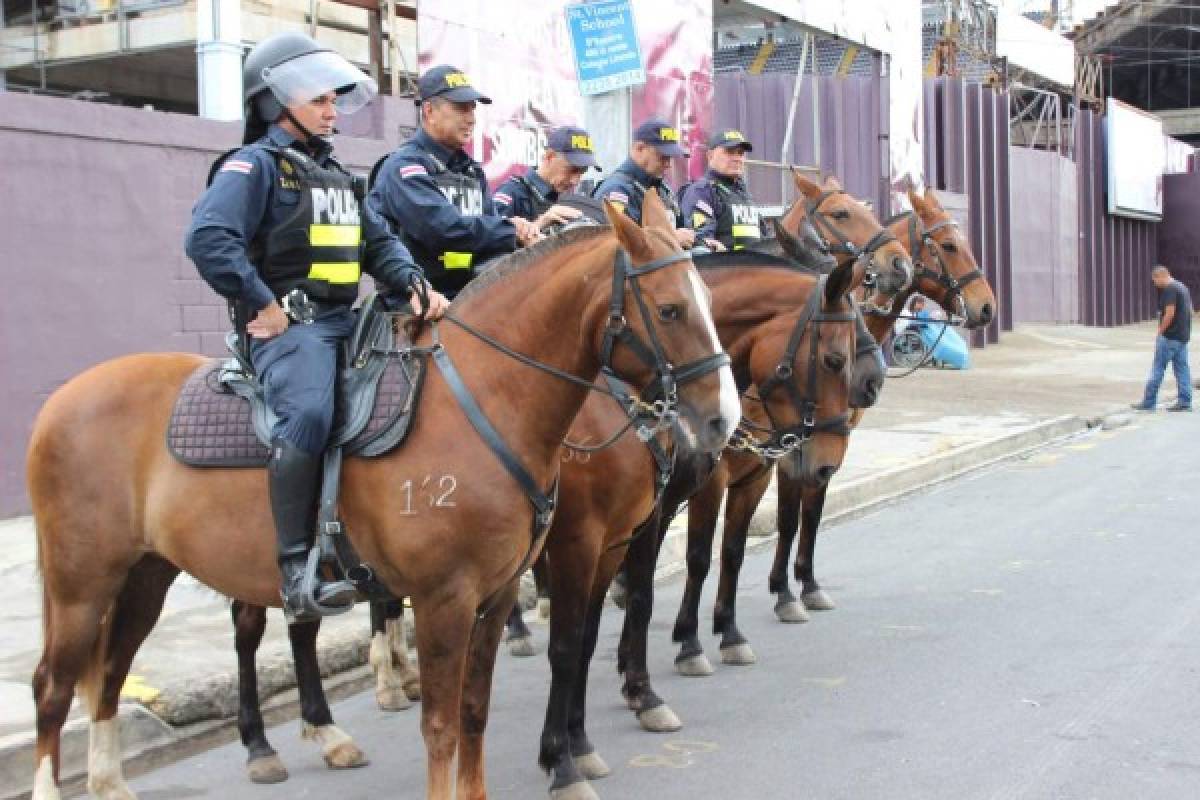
<point x="1179" y="235"/>
<point x="92" y="244"/>
<point x="1115" y="253"/>
<point x="850" y="129"/>
<point x="1045" y="236"/>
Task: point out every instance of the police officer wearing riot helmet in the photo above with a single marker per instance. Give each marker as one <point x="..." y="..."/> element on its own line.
<point x="655" y="143"/>
<point x="281" y="231"/>
<point x="718" y="206"/>
<point x="568" y="156"/>
<point x="436" y="196"/>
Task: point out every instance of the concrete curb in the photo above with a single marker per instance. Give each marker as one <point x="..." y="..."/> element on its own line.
<point x="188" y="719"/>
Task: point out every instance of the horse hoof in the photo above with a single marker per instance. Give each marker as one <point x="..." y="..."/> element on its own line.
<point x="618" y="595"/>
<point x="110" y="791"/>
<point x="393" y="698"/>
<point x="791" y="612"/>
<point x="412" y="689"/>
<point x="268" y="769"/>
<point x="592" y="766"/>
<point x="543" y="608"/>
<point x="576" y="791"/>
<point x="696" y="666"/>
<point x="818" y="601"/>
<point x="346" y="755"/>
<point x="738" y="655"/>
<point x="522" y="647"/>
<point x="660" y="719"/>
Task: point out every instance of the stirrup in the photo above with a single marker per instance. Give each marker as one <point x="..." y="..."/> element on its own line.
<point x="318" y="598"/>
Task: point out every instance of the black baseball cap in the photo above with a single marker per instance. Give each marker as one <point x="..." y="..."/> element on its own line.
<point x="729" y="138"/>
<point x="665" y="138"/>
<point x="575" y="144"/>
<point x="448" y="82"/>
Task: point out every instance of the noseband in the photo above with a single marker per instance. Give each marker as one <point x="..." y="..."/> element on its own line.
<point x="785" y="439"/>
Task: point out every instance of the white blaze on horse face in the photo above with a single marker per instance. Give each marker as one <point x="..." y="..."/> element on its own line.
<point x="731" y="407"/>
<point x="105" y="780"/>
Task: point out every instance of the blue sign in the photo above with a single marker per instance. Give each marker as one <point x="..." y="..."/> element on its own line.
<point x="604" y="38"/>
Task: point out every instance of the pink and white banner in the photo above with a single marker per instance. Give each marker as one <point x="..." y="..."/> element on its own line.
<point x="520" y="56"/>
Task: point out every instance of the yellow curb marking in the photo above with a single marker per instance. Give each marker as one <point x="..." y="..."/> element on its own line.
<point x="135" y="687"/>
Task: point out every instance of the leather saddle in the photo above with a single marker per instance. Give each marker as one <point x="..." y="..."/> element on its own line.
<point x="221" y="419"/>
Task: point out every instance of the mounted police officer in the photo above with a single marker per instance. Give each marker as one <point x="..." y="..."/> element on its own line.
<point x="568" y="156"/>
<point x="718" y="207"/>
<point x="655" y="143"/>
<point x="282" y="231"/>
<point x="433" y="193"/>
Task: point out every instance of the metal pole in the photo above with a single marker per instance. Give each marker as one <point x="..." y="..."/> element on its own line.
<point x="816" y="109"/>
<point x="393" y="47"/>
<point x="785" y="154"/>
<point x="3" y="80"/>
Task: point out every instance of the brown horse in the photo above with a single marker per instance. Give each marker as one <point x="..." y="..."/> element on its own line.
<point x="947" y="273"/>
<point x="117" y="517"/>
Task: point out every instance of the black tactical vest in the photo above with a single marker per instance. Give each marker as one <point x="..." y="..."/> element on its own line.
<point x="541" y="204"/>
<point x="317" y="246"/>
<point x="449" y="271"/>
<point x="737" y="218"/>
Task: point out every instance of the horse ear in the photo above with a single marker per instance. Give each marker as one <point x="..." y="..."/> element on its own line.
<point x="631" y="237"/>
<point x="838" y="284"/>
<point x="931" y="199"/>
<point x="803" y="185"/>
<point x="655" y="214"/>
<point x="832" y="182"/>
<point x="918" y="204"/>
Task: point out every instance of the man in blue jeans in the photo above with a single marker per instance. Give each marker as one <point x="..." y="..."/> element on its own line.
<point x="1171" y="346"/>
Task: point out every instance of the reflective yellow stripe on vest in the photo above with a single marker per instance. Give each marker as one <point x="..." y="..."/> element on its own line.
<point x="334" y="235"/>
<point x="746" y="232"/>
<point x="456" y="260"/>
<point x="340" y="272"/>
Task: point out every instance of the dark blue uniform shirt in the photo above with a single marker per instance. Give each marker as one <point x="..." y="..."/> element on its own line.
<point x="702" y="203"/>
<point x="242" y="201"/>
<point x="406" y="194"/>
<point x="627" y="187"/>
<point x="513" y="198"/>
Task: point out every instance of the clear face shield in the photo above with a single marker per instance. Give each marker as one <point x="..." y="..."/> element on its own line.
<point x="302" y="79"/>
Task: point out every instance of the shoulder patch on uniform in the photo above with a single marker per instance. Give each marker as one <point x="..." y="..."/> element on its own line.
<point x="617" y="196"/>
<point x="705" y="207"/>
<point x="502" y="198"/>
<point x="237" y="165"/>
<point x="413" y="169"/>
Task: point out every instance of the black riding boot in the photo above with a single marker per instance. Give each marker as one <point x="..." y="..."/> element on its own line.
<point x="293" y="479"/>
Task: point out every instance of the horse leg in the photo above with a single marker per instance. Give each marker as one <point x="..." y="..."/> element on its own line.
<point x="263" y="764"/>
<point x="444" y="626"/>
<point x="131" y="619"/>
<point x="477" y="695"/>
<point x="389" y="689"/>
<point x="338" y="749"/>
<point x="541" y="579"/>
<point x="653" y="714"/>
<point x="812" y="595"/>
<point x="739" y="510"/>
<point x="788" y="520"/>
<point x="572" y="575"/>
<point x="520" y="638"/>
<point x="583" y="752"/>
<point x="703" y="508"/>
<point x="410" y="676"/>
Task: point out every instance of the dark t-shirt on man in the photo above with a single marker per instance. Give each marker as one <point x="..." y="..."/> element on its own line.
<point x="1176" y="294"/>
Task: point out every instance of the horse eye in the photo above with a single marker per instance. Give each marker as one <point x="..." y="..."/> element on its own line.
<point x="950" y="247"/>
<point x="836" y="362"/>
<point x="843" y="215"/>
<point x="670" y="313"/>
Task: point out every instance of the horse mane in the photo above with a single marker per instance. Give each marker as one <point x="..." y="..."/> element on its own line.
<point x="517" y="261"/>
<point x="750" y="258"/>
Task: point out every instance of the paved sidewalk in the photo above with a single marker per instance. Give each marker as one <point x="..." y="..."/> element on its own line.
<point x="1041" y="383"/>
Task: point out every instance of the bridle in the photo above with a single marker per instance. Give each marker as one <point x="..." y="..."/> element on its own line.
<point x="922" y="240"/>
<point x="842" y="244"/>
<point x="785" y="439"/>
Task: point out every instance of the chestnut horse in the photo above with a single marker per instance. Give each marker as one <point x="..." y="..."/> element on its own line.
<point x="117" y="517"/>
<point x="928" y="233"/>
<point x="946" y="272"/>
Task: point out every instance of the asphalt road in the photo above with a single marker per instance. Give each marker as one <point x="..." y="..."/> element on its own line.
<point x="1030" y="632"/>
